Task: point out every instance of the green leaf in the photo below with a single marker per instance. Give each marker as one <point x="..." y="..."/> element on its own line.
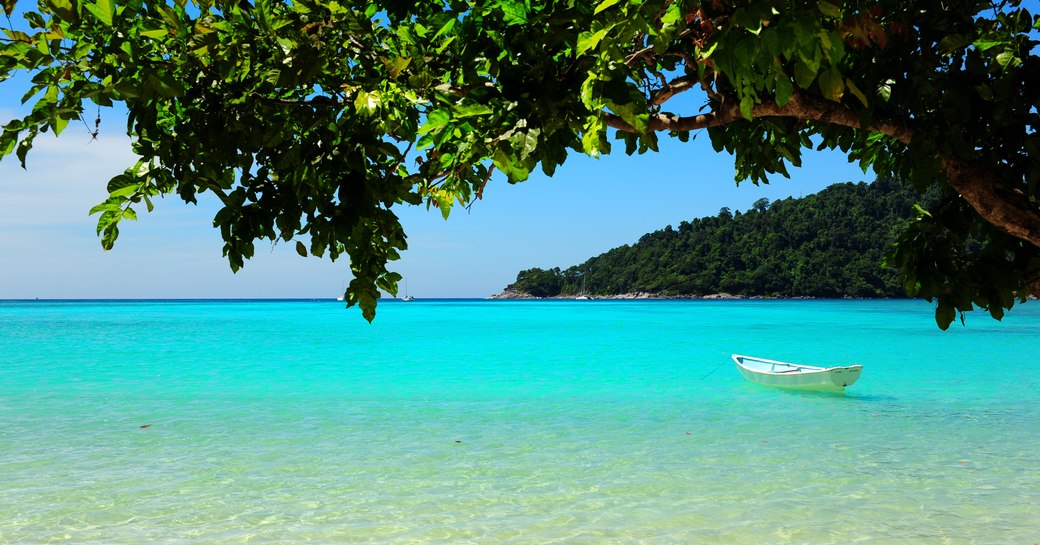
<point x="803" y="74"/>
<point x="51" y="96"/>
<point x="510" y="165"/>
<point x="471" y="110"/>
<point x="301" y="249"/>
<point x="829" y="9"/>
<point x="784" y="90"/>
<point x="885" y="90"/>
<point x="983" y="44"/>
<point x="110" y="236"/>
<point x="7" y="143"/>
<point x="103" y="207"/>
<point x="397" y="65"/>
<point x="605" y="4"/>
<point x="125" y="191"/>
<point x="832" y="85"/>
<point x="514" y="13"/>
<point x="952" y="42"/>
<point x="435" y="120"/>
<point x="921" y="212"/>
<point x="163" y="85"/>
<point x="593" y="139"/>
<point x="857" y="93"/>
<point x="155" y="34"/>
<point x="524" y="142"/>
<point x="127" y="89"/>
<point x="945" y="313"/>
<point x="589" y="40"/>
<point x="9" y="6"/>
<point x="448" y="26"/>
<point x="1007" y="59"/>
<point x="367" y="102"/>
<point x="672" y="15"/>
<point x="104" y="10"/>
<point x="67" y="10"/>
<point x="25" y="145"/>
<point x="632" y="113"/>
<point x="17" y="35"/>
<point x="746" y="105"/>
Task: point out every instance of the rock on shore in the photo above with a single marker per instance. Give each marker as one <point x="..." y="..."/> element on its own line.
<point x="510" y="293"/>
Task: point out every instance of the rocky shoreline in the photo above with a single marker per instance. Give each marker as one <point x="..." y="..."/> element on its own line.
<point x="514" y="294"/>
<point x="509" y="294"/>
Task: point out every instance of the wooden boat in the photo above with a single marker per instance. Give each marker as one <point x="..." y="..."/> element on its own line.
<point x="792" y="375"/>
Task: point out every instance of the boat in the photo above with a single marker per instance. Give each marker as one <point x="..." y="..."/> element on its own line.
<point x="407" y="297"/>
<point x="582" y="296"/>
<point x="796" y="376"/>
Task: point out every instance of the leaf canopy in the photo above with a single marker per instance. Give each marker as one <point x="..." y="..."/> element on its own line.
<point x="312" y="120"/>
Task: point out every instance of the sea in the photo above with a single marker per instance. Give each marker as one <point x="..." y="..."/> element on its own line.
<point x="513" y="422"/>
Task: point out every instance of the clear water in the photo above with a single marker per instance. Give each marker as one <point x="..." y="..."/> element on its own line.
<point x="513" y="423"/>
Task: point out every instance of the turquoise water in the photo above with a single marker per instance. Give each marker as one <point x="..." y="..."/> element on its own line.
<point x="513" y="423"/>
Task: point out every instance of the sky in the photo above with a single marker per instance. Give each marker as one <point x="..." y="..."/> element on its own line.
<point x="49" y="248"/>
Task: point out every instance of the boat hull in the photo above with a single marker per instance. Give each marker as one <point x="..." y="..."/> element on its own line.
<point x="797" y="377"/>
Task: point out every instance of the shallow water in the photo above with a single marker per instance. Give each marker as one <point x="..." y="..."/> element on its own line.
<point x="513" y="422"/>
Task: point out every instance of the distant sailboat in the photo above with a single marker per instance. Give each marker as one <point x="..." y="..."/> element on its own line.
<point x="582" y="296"/>
<point x="407" y="297"/>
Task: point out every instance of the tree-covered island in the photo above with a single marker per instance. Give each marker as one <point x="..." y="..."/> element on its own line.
<point x="827" y="245"/>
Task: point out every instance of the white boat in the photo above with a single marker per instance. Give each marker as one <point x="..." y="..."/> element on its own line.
<point x="407" y="297"/>
<point x="582" y="296"/>
<point x="792" y="375"/>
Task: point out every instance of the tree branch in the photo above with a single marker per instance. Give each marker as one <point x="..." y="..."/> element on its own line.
<point x="672" y="88"/>
<point x="799" y="106"/>
<point x="995" y="200"/>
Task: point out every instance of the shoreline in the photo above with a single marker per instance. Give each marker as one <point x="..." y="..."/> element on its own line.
<point x="511" y="294"/>
<point x="515" y="295"/>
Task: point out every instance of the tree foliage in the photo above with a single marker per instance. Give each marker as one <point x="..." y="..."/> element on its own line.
<point x="311" y="120"/>
<point x="827" y="245"/>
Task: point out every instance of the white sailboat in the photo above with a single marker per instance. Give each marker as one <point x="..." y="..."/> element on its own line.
<point x="582" y="296"/>
<point x="407" y="297"/>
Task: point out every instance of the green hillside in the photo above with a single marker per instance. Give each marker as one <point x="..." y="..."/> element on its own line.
<point x="825" y="245"/>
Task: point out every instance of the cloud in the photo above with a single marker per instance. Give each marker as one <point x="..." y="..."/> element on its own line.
<point x="49" y="249"/>
<point x="64" y="177"/>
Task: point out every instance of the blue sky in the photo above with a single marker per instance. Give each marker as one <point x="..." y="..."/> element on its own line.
<point x="48" y="246"/>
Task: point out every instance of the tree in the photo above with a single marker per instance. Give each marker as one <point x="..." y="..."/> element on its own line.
<point x="311" y="120"/>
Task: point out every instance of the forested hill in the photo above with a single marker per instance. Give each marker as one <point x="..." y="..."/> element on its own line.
<point x="825" y="245"/>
